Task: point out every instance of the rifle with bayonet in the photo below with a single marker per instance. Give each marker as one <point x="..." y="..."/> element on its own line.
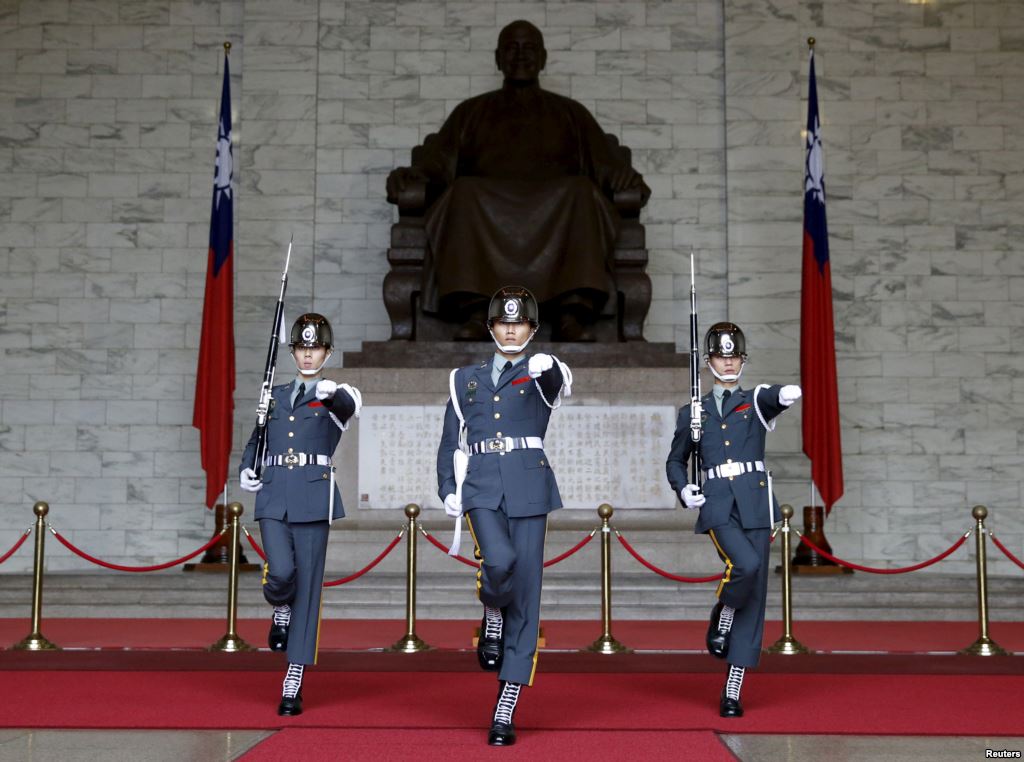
<point x="263" y="406"/>
<point x="696" y="409"/>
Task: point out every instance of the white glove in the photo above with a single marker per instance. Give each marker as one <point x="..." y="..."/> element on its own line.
<point x="325" y="389"/>
<point x="451" y="507"/>
<point x="248" y="481"/>
<point x="691" y="496"/>
<point x="789" y="394"/>
<point x="539" y="363"/>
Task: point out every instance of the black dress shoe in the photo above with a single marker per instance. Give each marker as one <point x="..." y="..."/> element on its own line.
<point x="501" y="734"/>
<point x="717" y="640"/>
<point x="277" y="638"/>
<point x="728" y="707"/>
<point x="290" y="707"/>
<point x="489" y="651"/>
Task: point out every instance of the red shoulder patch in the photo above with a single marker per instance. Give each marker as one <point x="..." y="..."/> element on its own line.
<point x="741" y="408"/>
<point x="318" y="403"/>
<point x="523" y="380"/>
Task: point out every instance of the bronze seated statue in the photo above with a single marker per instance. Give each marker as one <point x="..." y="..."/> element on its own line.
<point x="520" y="186"/>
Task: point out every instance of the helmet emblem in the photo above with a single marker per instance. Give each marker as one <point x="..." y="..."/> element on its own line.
<point x="511" y="308"/>
<point x="309" y="333"/>
<point x="727" y="345"/>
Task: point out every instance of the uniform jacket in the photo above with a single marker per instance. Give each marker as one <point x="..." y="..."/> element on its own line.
<point x="735" y="436"/>
<point x="515" y="408"/>
<point x="300" y="492"/>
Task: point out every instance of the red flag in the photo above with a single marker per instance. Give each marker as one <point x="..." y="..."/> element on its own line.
<point x="215" y="376"/>
<point x="817" y="335"/>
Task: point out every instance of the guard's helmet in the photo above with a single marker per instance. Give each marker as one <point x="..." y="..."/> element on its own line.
<point x="513" y="304"/>
<point x="311" y="330"/>
<point x="725" y="340"/>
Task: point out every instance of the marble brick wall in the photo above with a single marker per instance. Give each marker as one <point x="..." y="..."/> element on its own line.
<point x="107" y="127"/>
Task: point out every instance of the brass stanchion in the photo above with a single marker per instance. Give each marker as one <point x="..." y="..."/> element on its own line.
<point x="787" y="644"/>
<point x="410" y="643"/>
<point x="606" y="644"/>
<point x="231" y="642"/>
<point x="984" y="645"/>
<point x="35" y="641"/>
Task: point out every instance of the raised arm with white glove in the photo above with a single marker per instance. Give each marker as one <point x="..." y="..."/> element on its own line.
<point x="537" y="364"/>
<point x="789" y="394"/>
<point x="325" y="389"/>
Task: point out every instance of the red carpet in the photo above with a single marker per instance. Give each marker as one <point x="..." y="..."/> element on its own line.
<point x="362" y="634"/>
<point x="775" y="703"/>
<point x="426" y="745"/>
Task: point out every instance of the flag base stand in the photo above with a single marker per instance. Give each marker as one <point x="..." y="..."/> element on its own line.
<point x="218" y="558"/>
<point x="807" y="561"/>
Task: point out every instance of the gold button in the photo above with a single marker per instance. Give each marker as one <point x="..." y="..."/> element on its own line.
<point x="290" y="450"/>
<point x="761" y="483"/>
<point x="497" y="415"/>
<point x="325" y="476"/>
<point x="724" y="426"/>
<point x="497" y="398"/>
<point x="290" y="467"/>
<point x="498" y="434"/>
<point x="522" y="391"/>
<point x="292" y="418"/>
<point x="727" y="442"/>
<point x="731" y="478"/>
<point x="291" y="433"/>
<point x="542" y="462"/>
<point x="728" y="460"/>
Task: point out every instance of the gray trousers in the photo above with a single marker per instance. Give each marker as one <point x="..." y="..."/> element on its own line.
<point x="745" y="586"/>
<point x="511" y="554"/>
<point x="294" y="575"/>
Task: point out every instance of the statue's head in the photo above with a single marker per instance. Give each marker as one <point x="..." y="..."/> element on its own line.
<point x="520" y="54"/>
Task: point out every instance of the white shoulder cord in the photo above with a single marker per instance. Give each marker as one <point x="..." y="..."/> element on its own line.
<point x="357" y="398"/>
<point x="460" y="462"/>
<point x="566" y="389"/>
<point x="767" y="427"/>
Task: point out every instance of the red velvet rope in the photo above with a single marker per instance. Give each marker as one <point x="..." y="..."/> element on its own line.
<point x="462" y="559"/>
<point x="574" y="549"/>
<point x="254" y="546"/>
<point x="343" y="580"/>
<point x="441" y="546"/>
<point x="18" y="544"/>
<point x="117" y="567"/>
<point x="662" y="572"/>
<point x="1006" y="551"/>
<point x="369" y="566"/>
<point x="872" y="570"/>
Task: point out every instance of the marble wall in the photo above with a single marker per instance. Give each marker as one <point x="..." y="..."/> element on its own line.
<point x="107" y="131"/>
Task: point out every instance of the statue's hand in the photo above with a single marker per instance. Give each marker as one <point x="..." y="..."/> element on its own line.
<point x="401" y="178"/>
<point x="622" y="179"/>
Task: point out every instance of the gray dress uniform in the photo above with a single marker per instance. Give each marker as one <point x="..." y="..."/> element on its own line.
<point x="737" y="515"/>
<point x="294" y="505"/>
<point x="508" y="492"/>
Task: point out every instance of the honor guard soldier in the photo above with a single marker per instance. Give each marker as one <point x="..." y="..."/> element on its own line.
<point x="297" y="498"/>
<point x="491" y="467"/>
<point x="737" y="506"/>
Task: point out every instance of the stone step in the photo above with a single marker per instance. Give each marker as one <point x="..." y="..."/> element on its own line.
<point x="567" y="595"/>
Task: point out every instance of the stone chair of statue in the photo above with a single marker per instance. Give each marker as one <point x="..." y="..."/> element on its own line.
<point x="622" y="316"/>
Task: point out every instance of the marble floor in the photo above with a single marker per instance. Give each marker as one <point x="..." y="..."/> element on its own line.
<point x="222" y="746"/>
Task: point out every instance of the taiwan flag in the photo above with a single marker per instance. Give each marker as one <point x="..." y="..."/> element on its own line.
<point x="817" y="335"/>
<point x="215" y="377"/>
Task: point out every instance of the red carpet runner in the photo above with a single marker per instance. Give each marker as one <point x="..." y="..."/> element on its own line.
<point x="775" y="703"/>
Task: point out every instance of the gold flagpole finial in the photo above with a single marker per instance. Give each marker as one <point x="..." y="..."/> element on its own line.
<point x="810" y="42"/>
<point x="227" y="48"/>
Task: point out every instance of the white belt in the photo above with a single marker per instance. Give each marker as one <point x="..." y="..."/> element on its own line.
<point x="733" y="469"/>
<point x="298" y="459"/>
<point x="505" y="444"/>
